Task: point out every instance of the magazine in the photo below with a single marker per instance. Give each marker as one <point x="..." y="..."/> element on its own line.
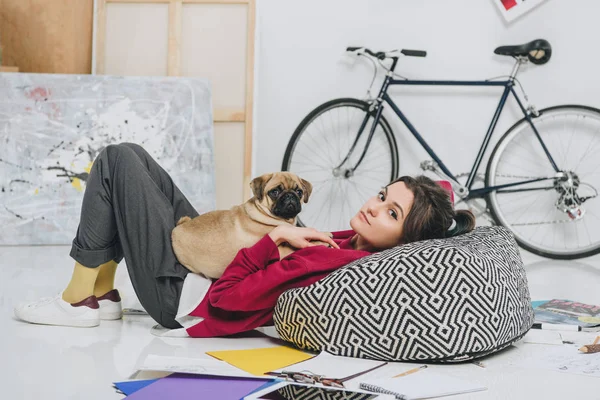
<point x="568" y="312"/>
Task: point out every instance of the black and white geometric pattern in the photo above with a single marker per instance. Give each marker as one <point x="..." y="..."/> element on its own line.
<point x="441" y="300"/>
<point x="292" y="392"/>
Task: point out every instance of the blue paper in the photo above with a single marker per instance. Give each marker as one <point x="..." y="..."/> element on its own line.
<point x="266" y="385"/>
<point x="129" y="387"/>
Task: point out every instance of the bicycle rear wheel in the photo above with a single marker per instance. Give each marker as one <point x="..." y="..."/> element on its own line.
<point x="538" y="213"/>
<point x="318" y="147"/>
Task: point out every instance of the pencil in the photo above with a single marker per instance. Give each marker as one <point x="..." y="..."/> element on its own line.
<point x="590" y="348"/>
<point x="410" y="371"/>
<point x="596" y="340"/>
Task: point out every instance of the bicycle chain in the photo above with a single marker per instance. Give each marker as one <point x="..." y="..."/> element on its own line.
<point x="480" y="176"/>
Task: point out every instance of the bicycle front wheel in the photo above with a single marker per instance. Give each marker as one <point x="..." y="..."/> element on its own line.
<point x="317" y="150"/>
<point x="558" y="217"/>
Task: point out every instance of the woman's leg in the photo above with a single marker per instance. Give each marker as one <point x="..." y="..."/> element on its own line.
<point x="129" y="209"/>
<point x="105" y="282"/>
<point x="79" y="289"/>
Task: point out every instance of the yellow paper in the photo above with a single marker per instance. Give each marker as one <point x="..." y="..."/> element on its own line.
<point x="259" y="361"/>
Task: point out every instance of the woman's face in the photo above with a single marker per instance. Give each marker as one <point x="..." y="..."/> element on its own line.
<point x="381" y="219"/>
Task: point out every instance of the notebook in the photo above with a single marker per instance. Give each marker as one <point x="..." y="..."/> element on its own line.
<point x="568" y="312"/>
<point x="421" y="385"/>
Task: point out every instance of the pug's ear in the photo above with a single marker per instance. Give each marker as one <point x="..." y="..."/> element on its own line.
<point x="258" y="185"/>
<point x="307" y="189"/>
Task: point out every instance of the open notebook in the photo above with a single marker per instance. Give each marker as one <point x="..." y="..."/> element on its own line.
<point x="421" y="385"/>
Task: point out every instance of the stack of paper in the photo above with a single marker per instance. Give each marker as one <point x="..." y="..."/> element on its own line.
<point x="234" y="375"/>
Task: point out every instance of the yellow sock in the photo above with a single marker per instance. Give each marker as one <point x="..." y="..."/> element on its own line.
<point x="105" y="282"/>
<point x="81" y="285"/>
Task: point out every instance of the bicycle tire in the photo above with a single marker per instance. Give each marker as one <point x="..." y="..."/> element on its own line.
<point x="361" y="106"/>
<point x="491" y="171"/>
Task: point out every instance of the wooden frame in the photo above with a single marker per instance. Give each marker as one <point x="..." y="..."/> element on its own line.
<point x="174" y="63"/>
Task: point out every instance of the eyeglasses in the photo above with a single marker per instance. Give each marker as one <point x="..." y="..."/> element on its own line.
<point x="310" y="378"/>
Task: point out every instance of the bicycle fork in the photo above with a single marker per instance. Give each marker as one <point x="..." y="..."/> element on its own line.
<point x="348" y="172"/>
<point x="376" y="106"/>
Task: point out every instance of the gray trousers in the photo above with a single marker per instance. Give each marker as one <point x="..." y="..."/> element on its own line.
<point x="130" y="206"/>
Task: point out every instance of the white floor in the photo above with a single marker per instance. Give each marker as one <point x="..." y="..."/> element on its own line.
<point x="71" y="363"/>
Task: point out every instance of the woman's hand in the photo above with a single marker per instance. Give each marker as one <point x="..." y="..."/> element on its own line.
<point x="300" y="238"/>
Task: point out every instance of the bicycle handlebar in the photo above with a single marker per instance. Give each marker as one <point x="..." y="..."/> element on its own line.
<point x="414" y="53"/>
<point x="382" y="55"/>
<point x="379" y="55"/>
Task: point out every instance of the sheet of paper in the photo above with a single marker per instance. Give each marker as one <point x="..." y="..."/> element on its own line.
<point x="259" y="361"/>
<point x="387" y="371"/>
<point x="424" y="384"/>
<point x="200" y="366"/>
<point x="538" y="336"/>
<point x="183" y="387"/>
<point x="332" y="366"/>
<point x="563" y="359"/>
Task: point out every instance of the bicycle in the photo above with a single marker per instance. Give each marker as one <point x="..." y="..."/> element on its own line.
<point x="530" y="186"/>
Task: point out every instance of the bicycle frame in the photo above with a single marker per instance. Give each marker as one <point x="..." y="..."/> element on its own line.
<point x="508" y="86"/>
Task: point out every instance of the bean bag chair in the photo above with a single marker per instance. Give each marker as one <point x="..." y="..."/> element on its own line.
<point x="440" y="300"/>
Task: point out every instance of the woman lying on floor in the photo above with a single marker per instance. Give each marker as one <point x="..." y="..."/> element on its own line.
<point x="130" y="207"/>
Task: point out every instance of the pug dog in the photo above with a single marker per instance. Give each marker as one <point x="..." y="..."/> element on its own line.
<point x="208" y="243"/>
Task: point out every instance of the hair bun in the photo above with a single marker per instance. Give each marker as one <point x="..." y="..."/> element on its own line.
<point x="464" y="221"/>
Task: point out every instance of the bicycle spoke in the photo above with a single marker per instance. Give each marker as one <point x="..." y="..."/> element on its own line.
<point x="311" y="163"/>
<point x="319" y="150"/>
<point x="365" y="192"/>
<point x="588" y="148"/>
<point x="569" y="142"/>
<point x="528" y="153"/>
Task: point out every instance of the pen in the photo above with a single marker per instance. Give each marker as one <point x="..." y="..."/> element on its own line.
<point x="556" y="327"/>
<point x="410" y="371"/>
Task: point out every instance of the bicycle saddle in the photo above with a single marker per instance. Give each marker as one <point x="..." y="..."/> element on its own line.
<point x="538" y="51"/>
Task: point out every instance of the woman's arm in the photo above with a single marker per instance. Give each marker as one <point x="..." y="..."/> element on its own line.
<point x="256" y="277"/>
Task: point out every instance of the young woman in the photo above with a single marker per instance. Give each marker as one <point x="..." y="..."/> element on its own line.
<point x="130" y="207"/>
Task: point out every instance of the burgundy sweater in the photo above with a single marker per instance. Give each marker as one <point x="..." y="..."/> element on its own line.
<point x="245" y="296"/>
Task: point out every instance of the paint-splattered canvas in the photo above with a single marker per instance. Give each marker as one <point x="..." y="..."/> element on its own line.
<point x="53" y="126"/>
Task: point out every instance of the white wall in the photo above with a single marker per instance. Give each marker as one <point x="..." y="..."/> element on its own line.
<point x="301" y="65"/>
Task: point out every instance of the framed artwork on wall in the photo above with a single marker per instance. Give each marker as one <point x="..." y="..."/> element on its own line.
<point x="512" y="9"/>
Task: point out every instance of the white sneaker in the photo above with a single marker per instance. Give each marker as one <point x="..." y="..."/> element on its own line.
<point x="110" y="305"/>
<point x="56" y="311"/>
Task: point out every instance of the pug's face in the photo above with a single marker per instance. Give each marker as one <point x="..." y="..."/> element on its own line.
<point x="281" y="193"/>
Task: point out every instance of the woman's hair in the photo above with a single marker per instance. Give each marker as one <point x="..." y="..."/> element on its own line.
<point x="432" y="214"/>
